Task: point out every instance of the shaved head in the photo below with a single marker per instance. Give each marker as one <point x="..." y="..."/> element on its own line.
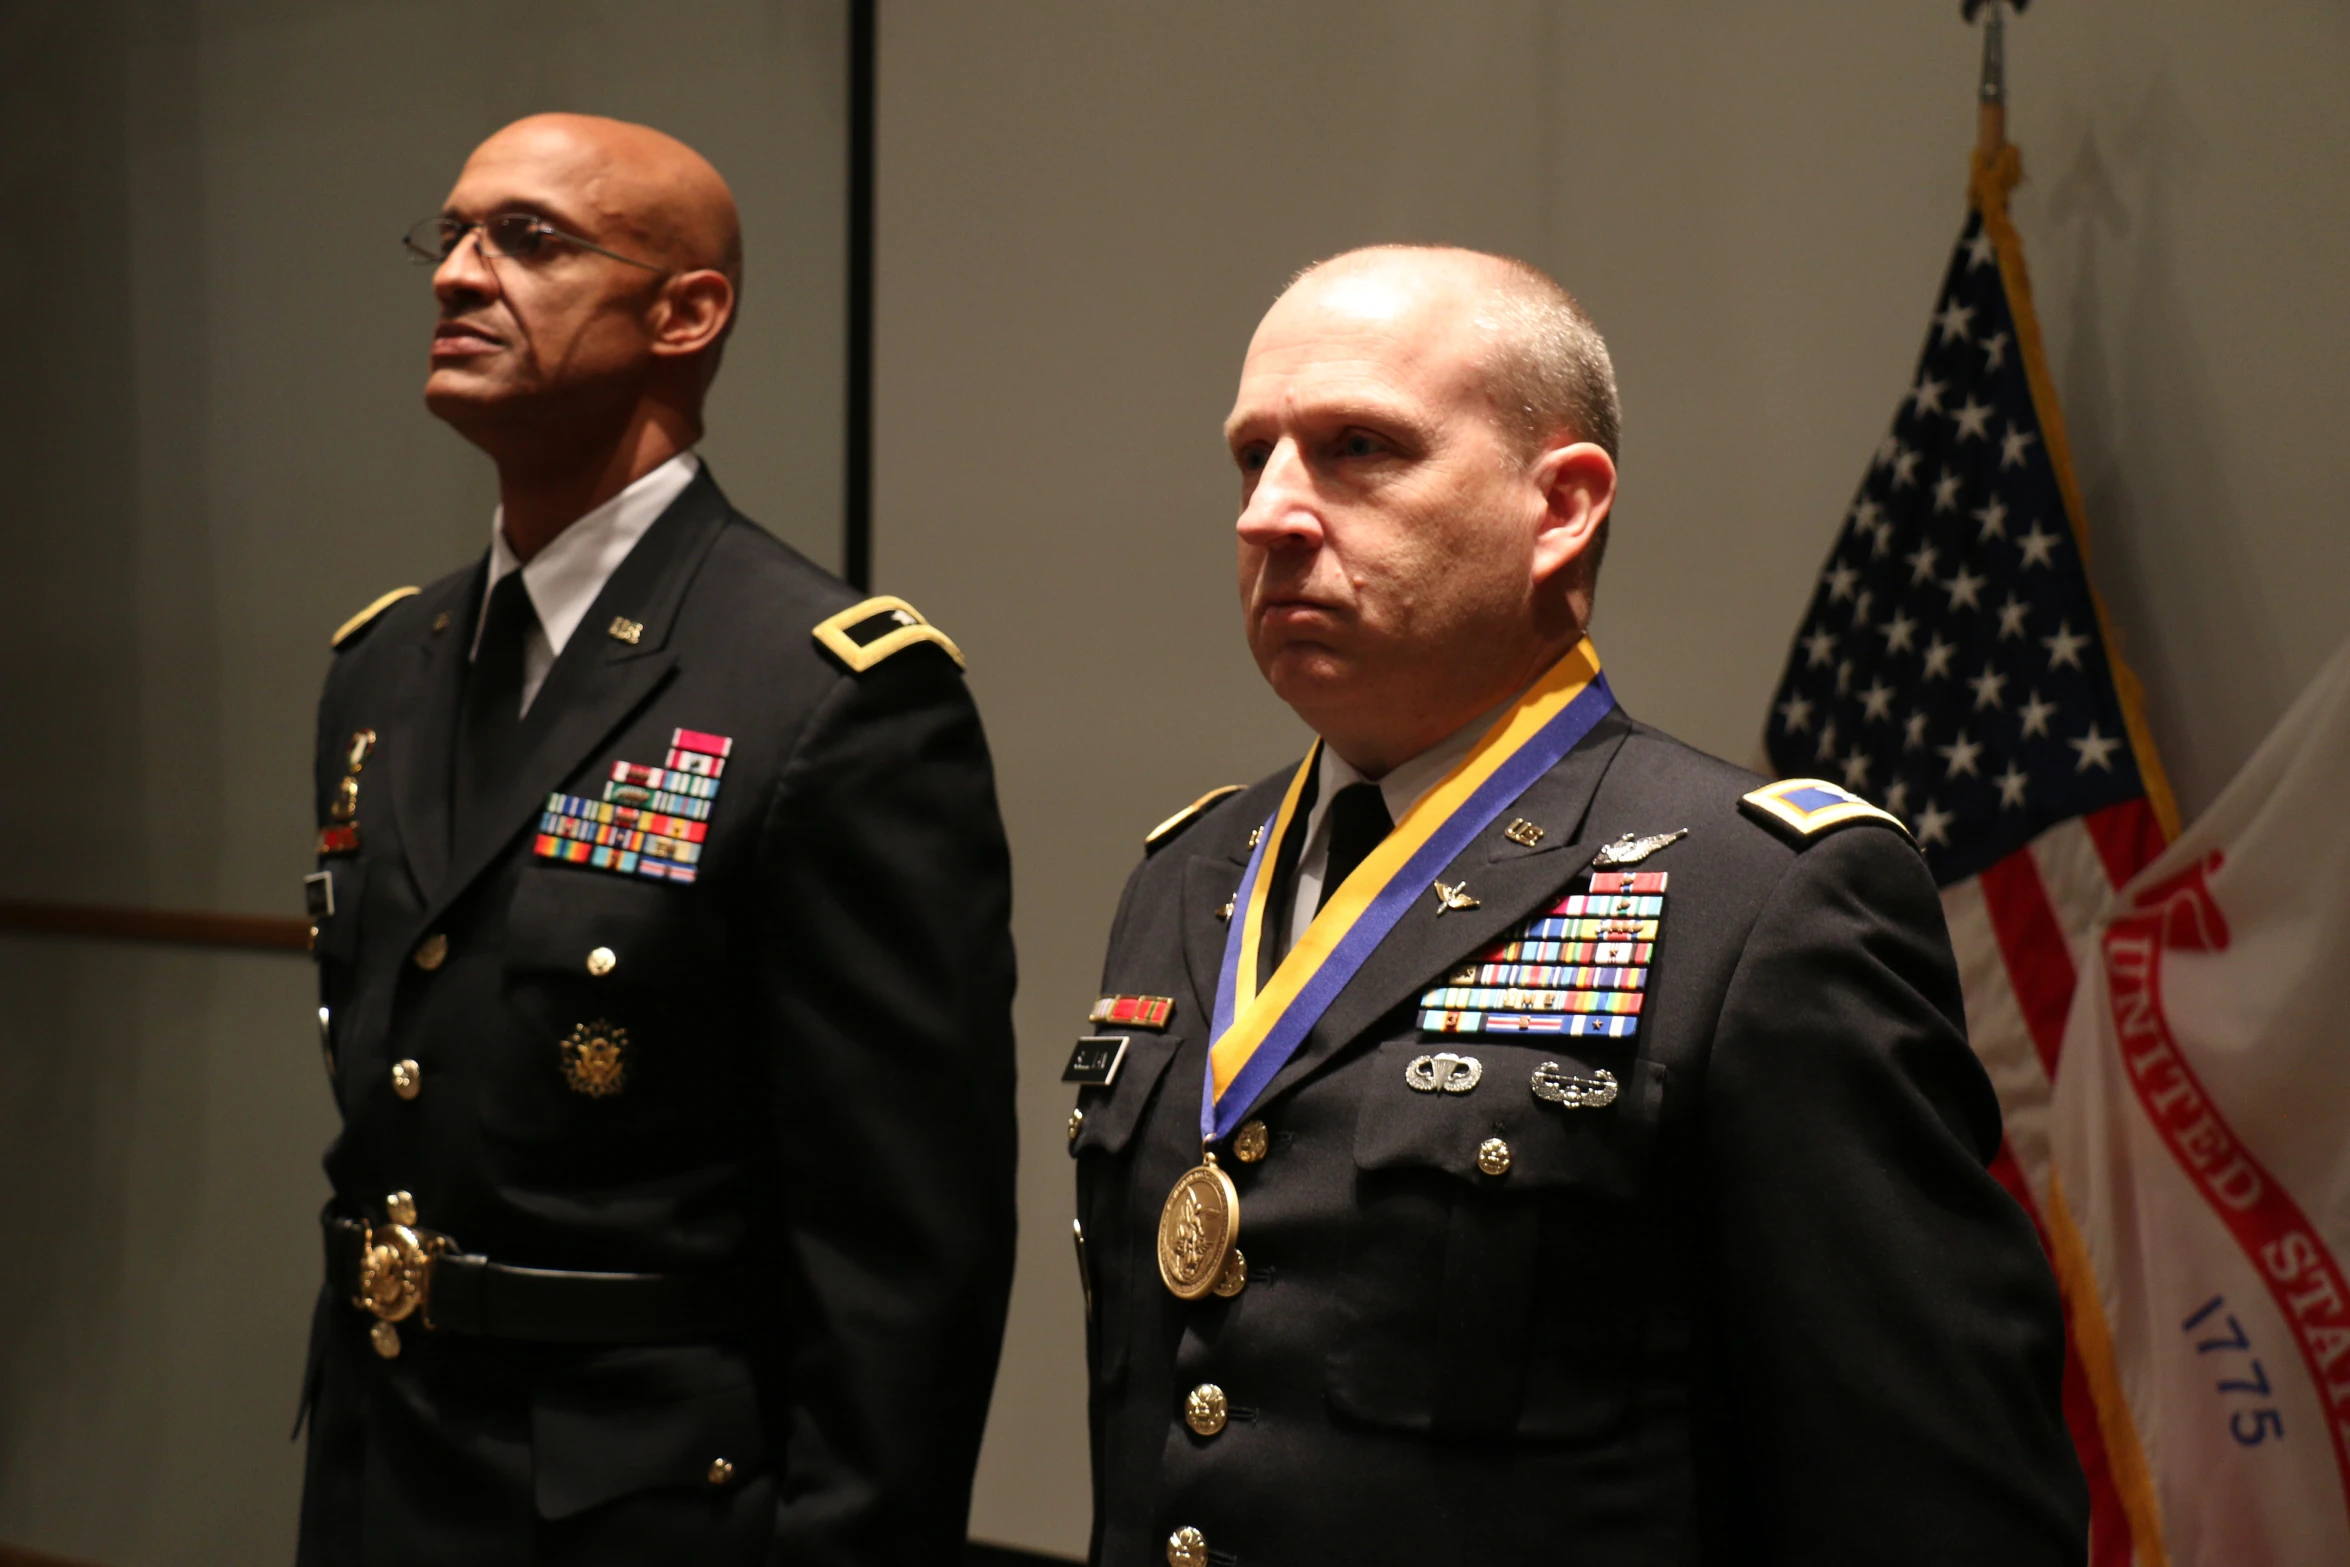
<point x="636" y="182"/>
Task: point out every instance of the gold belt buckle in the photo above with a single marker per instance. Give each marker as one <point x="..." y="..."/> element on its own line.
<point x="395" y="1272"/>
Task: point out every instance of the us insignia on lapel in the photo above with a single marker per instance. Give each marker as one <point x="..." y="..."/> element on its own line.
<point x="1579" y="966"/>
<point x="651" y="820"/>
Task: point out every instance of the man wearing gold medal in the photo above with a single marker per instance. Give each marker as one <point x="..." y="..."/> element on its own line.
<point x="1509" y="1135"/>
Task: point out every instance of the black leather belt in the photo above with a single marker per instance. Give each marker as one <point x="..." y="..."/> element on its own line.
<point x="401" y="1274"/>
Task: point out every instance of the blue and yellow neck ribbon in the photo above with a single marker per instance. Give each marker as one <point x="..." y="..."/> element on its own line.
<point x="1255" y="1030"/>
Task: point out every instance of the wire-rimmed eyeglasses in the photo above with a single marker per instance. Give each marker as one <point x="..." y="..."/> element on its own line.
<point x="519" y="235"/>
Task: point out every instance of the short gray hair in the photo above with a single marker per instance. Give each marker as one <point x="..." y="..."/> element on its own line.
<point x="1550" y="367"/>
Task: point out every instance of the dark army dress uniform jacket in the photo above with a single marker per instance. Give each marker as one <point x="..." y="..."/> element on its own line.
<point x="786" y="1081"/>
<point x="1766" y="1306"/>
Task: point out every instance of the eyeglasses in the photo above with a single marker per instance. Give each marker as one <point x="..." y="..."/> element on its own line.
<point x="519" y="235"/>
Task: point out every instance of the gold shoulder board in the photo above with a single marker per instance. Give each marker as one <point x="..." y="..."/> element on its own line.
<point x="366" y="617"/>
<point x="865" y="634"/>
<point x="1166" y="832"/>
<point x="1804" y="808"/>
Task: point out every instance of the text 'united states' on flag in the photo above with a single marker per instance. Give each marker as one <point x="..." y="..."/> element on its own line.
<point x="1954" y="668"/>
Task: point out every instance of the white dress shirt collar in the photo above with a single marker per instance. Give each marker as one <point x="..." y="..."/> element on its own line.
<point x="564" y="578"/>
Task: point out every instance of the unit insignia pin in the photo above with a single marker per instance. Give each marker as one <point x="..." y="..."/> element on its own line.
<point x="1225" y="913"/>
<point x="1453" y="897"/>
<point x="595" y="1059"/>
<point x="342" y="836"/>
<point x="1557" y="1085"/>
<point x="1631" y="850"/>
<point x="1152" y="1012"/>
<point x="1444" y="1072"/>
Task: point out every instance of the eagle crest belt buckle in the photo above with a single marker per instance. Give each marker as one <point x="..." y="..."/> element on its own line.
<point x="395" y="1272"/>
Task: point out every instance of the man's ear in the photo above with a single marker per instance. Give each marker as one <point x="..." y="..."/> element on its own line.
<point x="1578" y="485"/>
<point x="692" y="312"/>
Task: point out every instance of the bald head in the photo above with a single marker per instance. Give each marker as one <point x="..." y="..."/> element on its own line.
<point x="632" y="181"/>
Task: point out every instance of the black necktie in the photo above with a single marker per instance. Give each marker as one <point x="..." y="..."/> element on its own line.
<point x="493" y="702"/>
<point x="1358" y="822"/>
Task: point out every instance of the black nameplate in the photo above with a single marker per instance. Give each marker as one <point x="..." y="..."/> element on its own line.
<point x="318" y="894"/>
<point x="1095" y="1060"/>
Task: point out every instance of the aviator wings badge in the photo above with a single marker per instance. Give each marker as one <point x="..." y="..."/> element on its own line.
<point x="1453" y="897"/>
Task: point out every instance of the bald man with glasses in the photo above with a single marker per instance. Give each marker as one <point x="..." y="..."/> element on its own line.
<point x="664" y="962"/>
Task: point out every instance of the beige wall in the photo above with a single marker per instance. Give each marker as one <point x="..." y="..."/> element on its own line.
<point x="212" y="451"/>
<point x="1085" y="206"/>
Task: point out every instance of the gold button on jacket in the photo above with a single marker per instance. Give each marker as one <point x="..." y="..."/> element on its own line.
<point x="432" y="952"/>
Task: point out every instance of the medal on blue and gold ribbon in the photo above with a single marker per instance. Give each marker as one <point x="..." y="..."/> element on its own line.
<point x="1256" y="1029"/>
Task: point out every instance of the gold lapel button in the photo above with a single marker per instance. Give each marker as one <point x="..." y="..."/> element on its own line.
<point x="603" y="961"/>
<point x="1076" y="1124"/>
<point x="1234" y="1278"/>
<point x="1187" y="1547"/>
<point x="625" y="630"/>
<point x="721" y="1470"/>
<point x="1523" y="832"/>
<point x="1252" y="1142"/>
<point x="440" y="623"/>
<point x="407" y="1079"/>
<point x="1225" y="913"/>
<point x="385" y="1339"/>
<point x="432" y="952"/>
<point x="1493" y="1156"/>
<point x="1205" y="1409"/>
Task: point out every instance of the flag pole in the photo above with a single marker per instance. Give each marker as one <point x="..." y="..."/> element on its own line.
<point x="1997" y="166"/>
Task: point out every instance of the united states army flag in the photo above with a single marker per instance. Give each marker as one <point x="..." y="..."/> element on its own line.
<point x="2200" y="1142"/>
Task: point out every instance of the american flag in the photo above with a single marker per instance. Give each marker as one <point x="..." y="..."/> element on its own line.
<point x="1953" y="668"/>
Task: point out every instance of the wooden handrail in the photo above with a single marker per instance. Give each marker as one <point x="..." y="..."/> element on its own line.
<point x="178" y="927"/>
<point x="18" y="1556"/>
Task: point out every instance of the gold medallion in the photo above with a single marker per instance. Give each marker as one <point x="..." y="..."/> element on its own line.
<point x="1197" y="1228"/>
<point x="595" y="1059"/>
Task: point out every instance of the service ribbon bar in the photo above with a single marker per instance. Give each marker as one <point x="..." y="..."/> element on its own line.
<point x="1256" y="1032"/>
<point x="1520" y="986"/>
